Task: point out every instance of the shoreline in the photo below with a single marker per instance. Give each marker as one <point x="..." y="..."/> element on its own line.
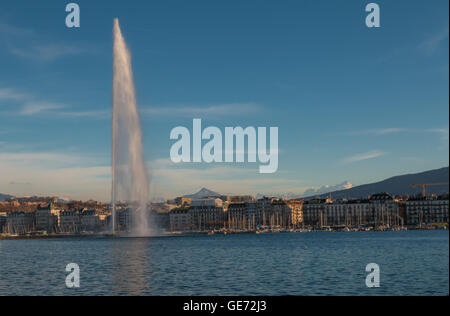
<point x="198" y="233"/>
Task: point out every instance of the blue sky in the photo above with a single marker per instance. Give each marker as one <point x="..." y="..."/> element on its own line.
<point x="351" y="103"/>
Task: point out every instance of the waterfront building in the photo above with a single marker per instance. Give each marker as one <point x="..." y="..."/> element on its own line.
<point x="2" y="222"/>
<point x="427" y="210"/>
<point x="239" y="198"/>
<point x="103" y="216"/>
<point x="207" y="214"/>
<point x="19" y="223"/>
<point x="208" y="202"/>
<point x="242" y="215"/>
<point x="46" y="220"/>
<point x="264" y="209"/>
<point x="180" y="219"/>
<point x="380" y="209"/>
<point x="385" y="210"/>
<point x="296" y="212"/>
<point x="90" y="221"/>
<point x="183" y="201"/>
<point x="313" y="212"/>
<point x="347" y="213"/>
<point x="236" y="216"/>
<point x="160" y="219"/>
<point x="70" y="221"/>
<point x="251" y="213"/>
<point x="280" y="214"/>
<point x="57" y="214"/>
<point x="124" y="219"/>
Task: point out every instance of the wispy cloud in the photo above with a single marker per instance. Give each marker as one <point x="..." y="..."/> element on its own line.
<point x="49" y="173"/>
<point x="28" y="44"/>
<point x="387" y="131"/>
<point x="444" y="132"/>
<point x="32" y="108"/>
<point x="42" y="158"/>
<point x="378" y="131"/>
<point x="46" y="52"/>
<point x="229" y="109"/>
<point x="328" y="188"/>
<point x="54" y="173"/>
<point x="11" y="94"/>
<point x="101" y="114"/>
<point x="30" y="105"/>
<point x="434" y="42"/>
<point x="363" y="156"/>
<point x="396" y="130"/>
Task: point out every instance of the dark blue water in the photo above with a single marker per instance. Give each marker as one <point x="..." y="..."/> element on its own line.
<point x="411" y="263"/>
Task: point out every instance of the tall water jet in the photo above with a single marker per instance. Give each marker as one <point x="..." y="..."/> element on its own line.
<point x="129" y="175"/>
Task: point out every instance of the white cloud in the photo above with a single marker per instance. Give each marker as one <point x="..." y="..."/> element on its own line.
<point x="363" y="156"/>
<point x="87" y="114"/>
<point x="431" y="44"/>
<point x="327" y="188"/>
<point x="444" y="132"/>
<point x="28" y="44"/>
<point x="77" y="176"/>
<point x="379" y="131"/>
<point x="46" y="52"/>
<point x="387" y="131"/>
<point x="395" y="130"/>
<point x="53" y="173"/>
<point x="31" y="108"/>
<point x="11" y="94"/>
<point x="40" y="157"/>
<point x="32" y="105"/>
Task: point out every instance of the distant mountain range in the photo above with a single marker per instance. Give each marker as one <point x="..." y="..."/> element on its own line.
<point x="399" y="185"/>
<point x="204" y="192"/>
<point x="4" y="197"/>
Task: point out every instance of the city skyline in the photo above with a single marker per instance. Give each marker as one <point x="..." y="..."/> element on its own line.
<point x="352" y="105"/>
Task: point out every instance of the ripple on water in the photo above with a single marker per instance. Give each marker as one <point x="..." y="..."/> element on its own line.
<point x="412" y="263"/>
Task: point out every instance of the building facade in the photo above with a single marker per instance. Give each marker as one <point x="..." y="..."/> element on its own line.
<point x="207" y="214"/>
<point x="313" y="212"/>
<point x="427" y="210"/>
<point x="297" y="212"/>
<point x="180" y="219"/>
<point x="70" y="221"/>
<point x="46" y="220"/>
<point x="19" y="223"/>
<point x="90" y="221"/>
<point x="3" y="217"/>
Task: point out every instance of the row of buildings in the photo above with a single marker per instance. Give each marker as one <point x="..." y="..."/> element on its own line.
<point x="248" y="214"/>
<point x="239" y="213"/>
<point x="53" y="220"/>
<point x="377" y="210"/>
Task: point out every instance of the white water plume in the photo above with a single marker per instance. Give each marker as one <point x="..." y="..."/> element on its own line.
<point x="129" y="176"/>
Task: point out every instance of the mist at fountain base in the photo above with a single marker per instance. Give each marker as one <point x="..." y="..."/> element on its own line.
<point x="136" y="228"/>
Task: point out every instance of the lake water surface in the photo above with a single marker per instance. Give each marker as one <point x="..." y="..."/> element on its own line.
<point x="411" y="263"/>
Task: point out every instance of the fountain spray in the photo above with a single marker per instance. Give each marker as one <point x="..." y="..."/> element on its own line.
<point x="128" y="168"/>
